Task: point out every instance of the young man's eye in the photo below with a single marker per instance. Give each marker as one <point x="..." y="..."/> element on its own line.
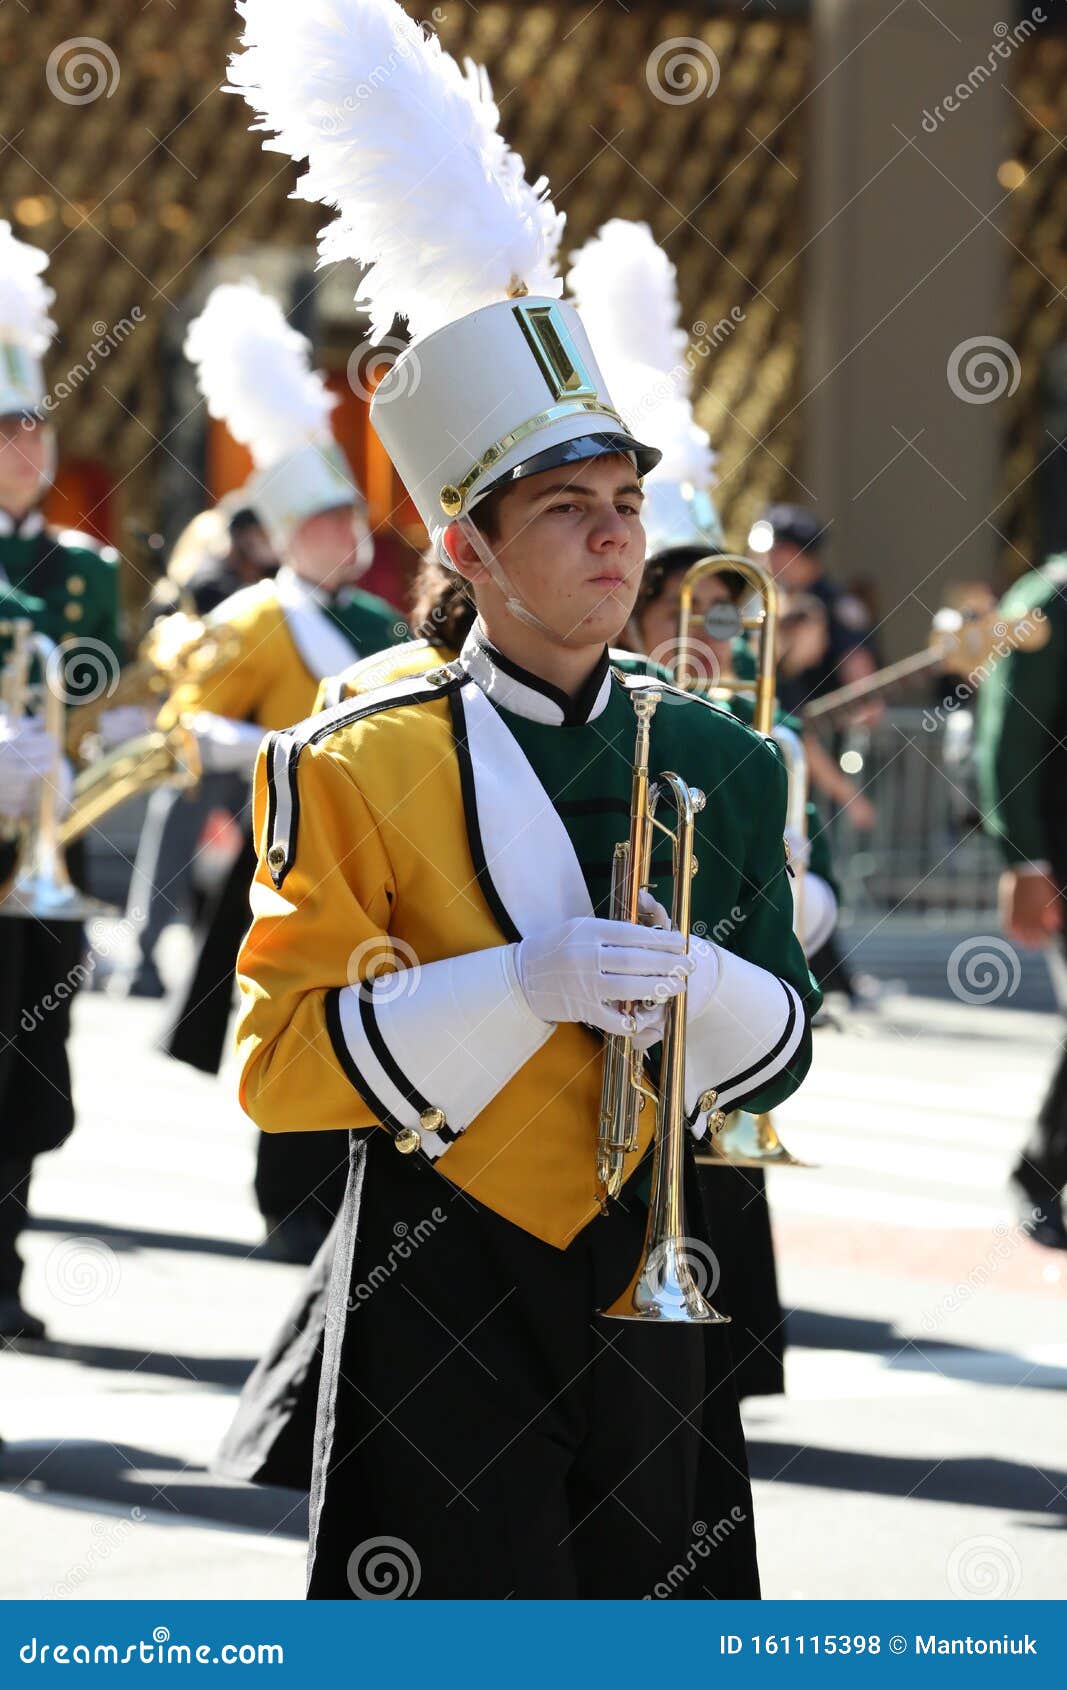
<point x="628" y="509"/>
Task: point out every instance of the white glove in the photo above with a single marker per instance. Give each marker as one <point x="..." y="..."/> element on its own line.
<point x="27" y="753"/>
<point x="799" y="848"/>
<point x="701" y="967"/>
<point x="125" y="722"/>
<point x="583" y="970"/>
<point x="226" y="746"/>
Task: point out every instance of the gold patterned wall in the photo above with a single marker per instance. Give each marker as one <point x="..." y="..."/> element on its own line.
<point x="126" y="162"/>
<point x="1034" y="214"/>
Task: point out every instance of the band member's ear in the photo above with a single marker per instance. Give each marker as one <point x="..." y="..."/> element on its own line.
<point x="463" y="552"/>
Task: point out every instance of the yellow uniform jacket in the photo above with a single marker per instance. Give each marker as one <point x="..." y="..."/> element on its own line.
<point x="405" y="846"/>
<point x="285" y="644"/>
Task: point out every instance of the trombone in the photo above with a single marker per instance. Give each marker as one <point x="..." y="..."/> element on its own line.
<point x="41" y="887"/>
<point x="663" y="1287"/>
<point x="742" y="1140"/>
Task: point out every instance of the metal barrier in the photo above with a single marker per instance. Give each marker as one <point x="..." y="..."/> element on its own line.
<point x="926" y="854"/>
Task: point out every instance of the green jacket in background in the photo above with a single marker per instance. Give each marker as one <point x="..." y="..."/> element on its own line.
<point x="76" y="580"/>
<point x="1020" y="757"/>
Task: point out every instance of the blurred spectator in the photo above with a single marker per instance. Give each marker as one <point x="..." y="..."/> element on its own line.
<point x="826" y="631"/>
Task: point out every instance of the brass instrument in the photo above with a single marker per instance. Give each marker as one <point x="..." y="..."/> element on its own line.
<point x="663" y="1287"/>
<point x="40" y="888"/>
<point x="179" y="644"/>
<point x="744" y="1140"/>
<point x="176" y="650"/>
<point x="763" y="622"/>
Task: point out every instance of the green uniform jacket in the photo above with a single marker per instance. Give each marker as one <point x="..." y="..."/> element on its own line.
<point x="1022" y="720"/>
<point x="77" y="580"/>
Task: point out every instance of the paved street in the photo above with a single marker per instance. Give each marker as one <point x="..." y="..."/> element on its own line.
<point x="920" y="1452"/>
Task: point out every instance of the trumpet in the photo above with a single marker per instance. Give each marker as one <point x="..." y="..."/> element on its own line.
<point x="744" y="1140"/>
<point x="663" y="1287"/>
<point x="41" y="887"/>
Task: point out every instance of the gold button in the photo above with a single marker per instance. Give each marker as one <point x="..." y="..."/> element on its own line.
<point x="276" y="856"/>
<point x="438" y="677"/>
<point x="717" y="1121"/>
<point x="73" y="612"/>
<point x="432" y="1120"/>
<point x="707" y="1100"/>
<point x="451" y="500"/>
<point x="75" y="584"/>
<point x="407" y="1141"/>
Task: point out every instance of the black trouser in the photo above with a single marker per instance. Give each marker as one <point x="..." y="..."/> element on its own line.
<point x="476" y="1407"/>
<point x="40" y="970"/>
<point x="1042" y="1167"/>
<point x="293" y="1170"/>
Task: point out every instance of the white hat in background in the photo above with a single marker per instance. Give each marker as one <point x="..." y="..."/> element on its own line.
<point x="255" y="372"/>
<point x="26" y="329"/>
<point x="627" y="291"/>
<point x="499" y="380"/>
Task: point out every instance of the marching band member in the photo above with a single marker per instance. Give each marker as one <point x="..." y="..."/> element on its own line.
<point x="1019" y="758"/>
<point x="67" y="585"/>
<point x="461" y="823"/>
<point x="218" y="552"/>
<point x="306" y="621"/>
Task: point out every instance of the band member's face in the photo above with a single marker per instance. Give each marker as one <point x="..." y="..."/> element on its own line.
<point x="571" y="547"/>
<point x="790" y="564"/>
<point x="254" y="550"/>
<point x="657" y="627"/>
<point x="24" y="464"/>
<point x="324" y="548"/>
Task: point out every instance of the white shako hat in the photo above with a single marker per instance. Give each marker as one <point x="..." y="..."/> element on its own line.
<point x="26" y="329"/>
<point x="627" y="289"/>
<point x="504" y="393"/>
<point x="499" y="380"/>
<point x="255" y="372"/>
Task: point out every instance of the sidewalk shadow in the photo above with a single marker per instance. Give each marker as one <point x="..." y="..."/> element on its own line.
<point x="810" y="1329"/>
<point x="118" y="1474"/>
<point x="984" y="1482"/>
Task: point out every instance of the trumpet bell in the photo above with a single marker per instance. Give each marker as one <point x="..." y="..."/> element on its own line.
<point x="747" y="1141"/>
<point x="664" y="1289"/>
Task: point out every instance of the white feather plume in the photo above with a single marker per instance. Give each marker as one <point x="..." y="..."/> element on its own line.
<point x="404" y="145"/>
<point x="626" y="289"/>
<point x="255" y="372"/>
<point x="25" y="296"/>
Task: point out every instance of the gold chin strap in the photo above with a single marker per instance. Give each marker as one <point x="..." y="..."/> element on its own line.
<point x="453" y="496"/>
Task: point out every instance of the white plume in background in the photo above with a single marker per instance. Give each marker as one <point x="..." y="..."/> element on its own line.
<point x="626" y="289"/>
<point x="25" y="296"/>
<point x="255" y="372"/>
<point x="404" y="145"/>
<point x="623" y="281"/>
